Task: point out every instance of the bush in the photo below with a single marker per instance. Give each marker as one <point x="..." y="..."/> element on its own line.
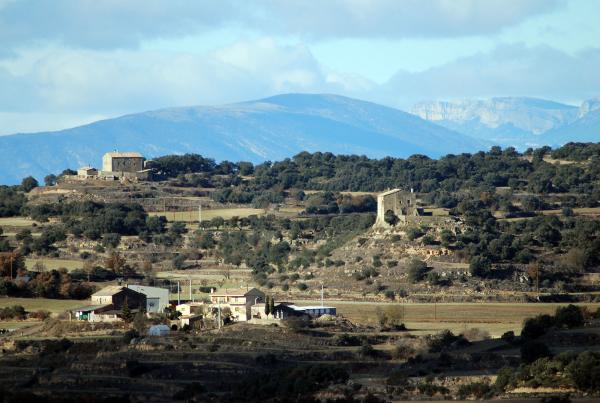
<point x="416" y="270"/>
<point x="533" y="350"/>
<point x="13" y="312"/>
<point x="478" y="390"/>
<point x="302" y="286"/>
<point x="569" y="317"/>
<point x="536" y="327"/>
<point x="40" y="314"/>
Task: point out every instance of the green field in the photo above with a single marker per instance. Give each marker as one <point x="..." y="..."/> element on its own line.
<point x="36" y="304"/>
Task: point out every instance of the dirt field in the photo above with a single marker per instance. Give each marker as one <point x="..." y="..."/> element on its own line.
<point x="16" y="222"/>
<point x="55" y="263"/>
<point x="496" y="318"/>
<point x="225" y="213"/>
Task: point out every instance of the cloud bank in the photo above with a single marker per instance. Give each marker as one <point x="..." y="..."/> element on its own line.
<point x="115" y="24"/>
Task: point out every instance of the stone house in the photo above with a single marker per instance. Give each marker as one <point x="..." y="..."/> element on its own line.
<point x="239" y="300"/>
<point x="403" y="204"/>
<point x="122" y="162"/>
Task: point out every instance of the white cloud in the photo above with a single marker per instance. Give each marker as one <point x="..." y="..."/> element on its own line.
<point x="56" y="82"/>
<point x="110" y="24"/>
<point x="508" y="70"/>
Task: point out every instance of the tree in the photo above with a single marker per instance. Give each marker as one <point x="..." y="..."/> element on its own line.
<point x="126" y="313"/>
<point x="569" y="316"/>
<point x="416" y="270"/>
<point x="533" y="350"/>
<point x="139" y="322"/>
<point x="267" y="306"/>
<point x="50" y="180"/>
<point x="29" y="184"/>
<point x="480" y="266"/>
<point x="390" y="218"/>
<point x="272" y="305"/>
<point x="115" y="262"/>
<point x="534" y="271"/>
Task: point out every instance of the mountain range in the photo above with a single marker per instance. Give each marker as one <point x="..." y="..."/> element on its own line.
<point x="519" y="122"/>
<point x="267" y="129"/>
<point x="278" y="127"/>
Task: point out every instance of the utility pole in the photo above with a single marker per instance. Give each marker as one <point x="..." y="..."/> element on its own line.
<point x="199" y="214"/>
<point x="322" y="296"/>
<point x="178" y="293"/>
<point x="219" y="313"/>
<point x="190" y="289"/>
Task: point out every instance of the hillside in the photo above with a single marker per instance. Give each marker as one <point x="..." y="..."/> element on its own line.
<point x="267" y="129"/>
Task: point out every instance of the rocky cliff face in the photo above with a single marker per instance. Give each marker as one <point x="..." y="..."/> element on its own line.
<point x="589" y="106"/>
<point x="530" y="115"/>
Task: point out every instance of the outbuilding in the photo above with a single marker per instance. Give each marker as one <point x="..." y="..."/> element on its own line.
<point x="157" y="299"/>
<point x="159" y="330"/>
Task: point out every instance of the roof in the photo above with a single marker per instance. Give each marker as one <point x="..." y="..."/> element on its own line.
<point x="130" y="154"/>
<point x="90" y="308"/>
<point x="108" y="291"/>
<point x="234" y="292"/>
<point x="87" y="168"/>
<point x="389" y="192"/>
<point x="311" y="307"/>
<point x="150" y="291"/>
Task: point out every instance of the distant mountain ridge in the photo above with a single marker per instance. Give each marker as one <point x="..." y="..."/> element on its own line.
<point x="518" y="122"/>
<point x="269" y="129"/>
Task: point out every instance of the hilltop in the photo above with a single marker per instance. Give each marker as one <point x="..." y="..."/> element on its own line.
<point x="267" y="129"/>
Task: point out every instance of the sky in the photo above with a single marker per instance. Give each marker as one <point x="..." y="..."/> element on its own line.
<point x="68" y="62"/>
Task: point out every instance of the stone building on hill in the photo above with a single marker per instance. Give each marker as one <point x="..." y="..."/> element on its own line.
<point x="401" y="203"/>
<point x="122" y="162"/>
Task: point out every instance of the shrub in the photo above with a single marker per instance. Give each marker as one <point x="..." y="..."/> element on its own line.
<point x="536" y="327"/>
<point x="568" y="317"/>
<point x="533" y="350"/>
<point x="478" y="390"/>
<point x="40" y="314"/>
<point x="302" y="286"/>
<point x="416" y="270"/>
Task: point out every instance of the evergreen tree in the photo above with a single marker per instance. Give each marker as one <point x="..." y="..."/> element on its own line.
<point x="267" y="306"/>
<point x="272" y="305"/>
<point x="126" y="312"/>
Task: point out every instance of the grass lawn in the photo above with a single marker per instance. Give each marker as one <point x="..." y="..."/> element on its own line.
<point x="35" y="304"/>
<point x="208" y="214"/>
<point x="55" y="263"/>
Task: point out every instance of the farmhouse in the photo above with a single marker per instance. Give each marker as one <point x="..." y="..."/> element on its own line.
<point x="87" y="172"/>
<point x="239" y="300"/>
<point x="400" y="203"/>
<point x="124" y="165"/>
<point x="157" y="299"/>
<point x="122" y="162"/>
<point x="117" y="295"/>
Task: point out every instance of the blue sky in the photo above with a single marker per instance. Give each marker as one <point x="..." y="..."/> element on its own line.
<point x="68" y="62"/>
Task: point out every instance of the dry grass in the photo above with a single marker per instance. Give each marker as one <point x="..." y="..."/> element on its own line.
<point x="35" y="304"/>
<point x="16" y="222"/>
<point x="192" y="216"/>
<point x="55" y="263"/>
<point x="496" y="318"/>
